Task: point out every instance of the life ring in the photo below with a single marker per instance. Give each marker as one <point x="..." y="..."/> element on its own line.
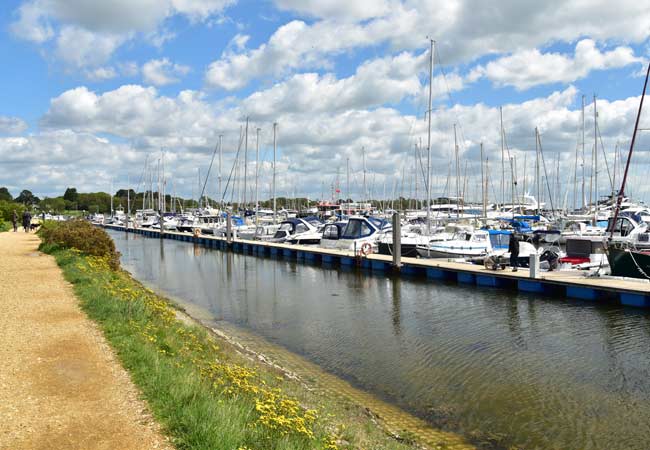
<point x="196" y="232"/>
<point x="366" y="249"/>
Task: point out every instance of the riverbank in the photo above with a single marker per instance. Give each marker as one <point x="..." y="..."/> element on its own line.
<point x="61" y="385"/>
<point x="202" y="389"/>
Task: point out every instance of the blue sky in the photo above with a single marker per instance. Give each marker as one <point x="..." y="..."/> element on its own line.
<point x="90" y="90"/>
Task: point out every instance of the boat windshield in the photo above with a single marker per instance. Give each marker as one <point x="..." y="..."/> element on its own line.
<point x="356" y="229"/>
<point x="499" y="240"/>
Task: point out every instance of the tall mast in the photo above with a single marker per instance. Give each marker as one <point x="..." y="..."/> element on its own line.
<point x="457" y="173"/>
<point x="275" y="127"/>
<point x="537" y="177"/>
<point x="220" y="162"/>
<point x="621" y="192"/>
<point x="348" y="177"/>
<point x="503" y="168"/>
<point x="483" y="184"/>
<point x="257" y="172"/>
<point x="111" y="196"/>
<point x="363" y="157"/>
<point x="429" y="108"/>
<point x="583" y="152"/>
<point x="595" y="162"/>
<point x="245" y="164"/>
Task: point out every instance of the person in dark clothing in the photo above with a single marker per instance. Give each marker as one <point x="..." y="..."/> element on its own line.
<point x="27" y="221"/>
<point x="14" y="220"/>
<point x="513" y="248"/>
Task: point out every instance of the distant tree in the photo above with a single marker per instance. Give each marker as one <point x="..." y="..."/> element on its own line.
<point x="27" y="198"/>
<point x="123" y="193"/>
<point x="71" y="194"/>
<point x="56" y="205"/>
<point x="5" y="194"/>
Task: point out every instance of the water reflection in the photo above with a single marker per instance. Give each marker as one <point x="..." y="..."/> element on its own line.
<point x="519" y="370"/>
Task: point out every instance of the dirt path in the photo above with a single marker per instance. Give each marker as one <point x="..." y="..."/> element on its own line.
<point x="61" y="387"/>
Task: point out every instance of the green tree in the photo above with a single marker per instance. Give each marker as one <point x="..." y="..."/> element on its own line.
<point x="5" y="194"/>
<point x="71" y="194"/>
<point x="27" y="198"/>
<point x="55" y="205"/>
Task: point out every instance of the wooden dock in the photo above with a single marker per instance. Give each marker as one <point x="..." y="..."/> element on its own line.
<point x="561" y="284"/>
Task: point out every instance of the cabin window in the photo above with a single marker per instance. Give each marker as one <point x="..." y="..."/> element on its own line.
<point x="285" y="227"/>
<point x="331" y="232"/>
<point x="356" y="229"/>
<point x="301" y="228"/>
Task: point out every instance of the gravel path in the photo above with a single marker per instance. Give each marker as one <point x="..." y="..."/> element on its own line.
<point x="61" y="387"/>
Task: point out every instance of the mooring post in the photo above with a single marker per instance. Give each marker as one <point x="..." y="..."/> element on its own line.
<point x="533" y="264"/>
<point x="161" y="223"/>
<point x="228" y="228"/>
<point x="397" y="241"/>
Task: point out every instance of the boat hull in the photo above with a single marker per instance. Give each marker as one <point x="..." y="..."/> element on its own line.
<point x="628" y="263"/>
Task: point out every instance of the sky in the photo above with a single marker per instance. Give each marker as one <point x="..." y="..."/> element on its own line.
<point x="96" y="94"/>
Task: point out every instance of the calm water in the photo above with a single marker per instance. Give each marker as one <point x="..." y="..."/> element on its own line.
<point x="537" y="373"/>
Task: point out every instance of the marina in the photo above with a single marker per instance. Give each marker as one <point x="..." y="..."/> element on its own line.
<point x="505" y="368"/>
<point x="629" y="292"/>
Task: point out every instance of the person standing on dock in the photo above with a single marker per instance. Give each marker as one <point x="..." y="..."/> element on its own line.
<point x="27" y="221"/>
<point x="513" y="248"/>
<point x="14" y="221"/>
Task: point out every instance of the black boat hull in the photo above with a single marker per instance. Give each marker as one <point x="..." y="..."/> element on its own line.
<point x="628" y="263"/>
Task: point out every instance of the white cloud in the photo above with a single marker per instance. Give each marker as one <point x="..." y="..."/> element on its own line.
<point x="320" y="140"/>
<point x="340" y="9"/>
<point x="88" y="32"/>
<point x="160" y="72"/>
<point x="12" y="125"/>
<point x="32" y="25"/>
<point x="101" y="73"/>
<point x="78" y="47"/>
<point x="464" y="30"/>
<point x="528" y="68"/>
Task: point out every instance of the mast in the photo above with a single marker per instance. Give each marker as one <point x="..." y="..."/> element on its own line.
<point x="245" y="164"/>
<point x="220" y="166"/>
<point x="483" y="184"/>
<point x="363" y="157"/>
<point x="503" y="169"/>
<point x="457" y="173"/>
<point x="429" y="107"/>
<point x="111" y="197"/>
<point x="257" y="174"/>
<point x="537" y="180"/>
<point x="621" y="192"/>
<point x="347" y="162"/>
<point x="583" y="152"/>
<point x="595" y="162"/>
<point x="275" y="127"/>
<point x="128" y="201"/>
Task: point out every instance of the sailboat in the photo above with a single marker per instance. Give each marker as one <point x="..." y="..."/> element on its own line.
<point x="626" y="260"/>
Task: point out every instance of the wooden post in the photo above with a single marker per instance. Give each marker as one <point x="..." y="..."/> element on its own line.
<point x="397" y="241"/>
<point x="228" y="228"/>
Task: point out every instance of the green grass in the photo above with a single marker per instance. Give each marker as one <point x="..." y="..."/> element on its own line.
<point x="4" y="226"/>
<point x="203" y="393"/>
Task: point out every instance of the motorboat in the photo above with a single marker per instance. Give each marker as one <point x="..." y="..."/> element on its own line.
<point x="360" y="231"/>
<point x="332" y="232"/>
<point x="308" y="227"/>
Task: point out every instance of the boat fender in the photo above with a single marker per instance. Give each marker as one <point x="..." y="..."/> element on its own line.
<point x="366" y="249"/>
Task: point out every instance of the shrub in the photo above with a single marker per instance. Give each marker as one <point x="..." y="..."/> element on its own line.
<point x="83" y="236"/>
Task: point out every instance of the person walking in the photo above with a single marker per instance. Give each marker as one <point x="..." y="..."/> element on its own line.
<point x="14" y="221"/>
<point x="27" y="221"/>
<point x="513" y="248"/>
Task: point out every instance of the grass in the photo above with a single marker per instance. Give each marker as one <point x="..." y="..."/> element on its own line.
<point x="204" y="393"/>
<point x="5" y="226"/>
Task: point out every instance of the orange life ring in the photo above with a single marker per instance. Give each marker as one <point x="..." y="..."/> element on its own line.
<point x="366" y="249"/>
